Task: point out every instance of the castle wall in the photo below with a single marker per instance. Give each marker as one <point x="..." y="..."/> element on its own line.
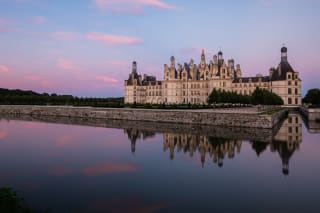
<point x="199" y="117"/>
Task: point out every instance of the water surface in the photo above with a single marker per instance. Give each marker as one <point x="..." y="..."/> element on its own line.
<point x="75" y="168"/>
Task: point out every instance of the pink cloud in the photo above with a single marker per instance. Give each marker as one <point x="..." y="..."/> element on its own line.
<point x="38" y="20"/>
<point x="64" y="35"/>
<point x="4" y="69"/>
<point x="113" y="39"/>
<point x="107" y="79"/>
<point x="68" y="65"/>
<point x="109" y="168"/>
<point x="3" y="134"/>
<point x="65" y="140"/>
<point x="131" y="5"/>
<point x="43" y="82"/>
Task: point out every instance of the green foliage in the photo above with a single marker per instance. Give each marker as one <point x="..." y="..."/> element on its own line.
<point x="259" y="96"/>
<point x="265" y="97"/>
<point x="12" y="202"/>
<point x="312" y="97"/>
<point x="20" y="97"/>
<point x="221" y="96"/>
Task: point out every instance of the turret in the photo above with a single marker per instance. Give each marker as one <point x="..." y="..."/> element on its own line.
<point x="271" y="71"/>
<point x="215" y="59"/>
<point x="134" y="67"/>
<point x="284" y="54"/>
<point x="231" y="63"/>
<point x="238" y="71"/>
<point x="203" y="57"/>
<point x="172" y="61"/>
<point x="203" y="60"/>
<point x="220" y="58"/>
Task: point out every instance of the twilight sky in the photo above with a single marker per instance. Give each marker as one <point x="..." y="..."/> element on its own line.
<point x="85" y="47"/>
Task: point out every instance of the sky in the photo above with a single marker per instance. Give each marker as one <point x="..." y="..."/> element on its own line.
<point x="86" y="47"/>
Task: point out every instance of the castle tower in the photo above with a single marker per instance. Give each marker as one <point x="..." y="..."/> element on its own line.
<point x="134" y="67"/>
<point x="203" y="60"/>
<point x="220" y="58"/>
<point x="203" y="57"/>
<point x="172" y="62"/>
<point x="284" y="54"/>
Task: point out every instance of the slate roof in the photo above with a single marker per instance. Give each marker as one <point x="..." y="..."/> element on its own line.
<point x="280" y="73"/>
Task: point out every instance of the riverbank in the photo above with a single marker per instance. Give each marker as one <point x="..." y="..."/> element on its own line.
<point x="236" y="117"/>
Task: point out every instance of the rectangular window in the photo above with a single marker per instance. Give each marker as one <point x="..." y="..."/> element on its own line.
<point x="289" y="82"/>
<point x="296" y="91"/>
<point x="289" y="91"/>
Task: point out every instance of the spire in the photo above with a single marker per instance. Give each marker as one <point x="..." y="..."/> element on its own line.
<point x="203" y="57"/>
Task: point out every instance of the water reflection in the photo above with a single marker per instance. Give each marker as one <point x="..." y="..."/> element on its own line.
<point x="285" y="142"/>
<point x="76" y="168"/>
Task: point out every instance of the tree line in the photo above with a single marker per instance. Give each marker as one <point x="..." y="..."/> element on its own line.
<point x="259" y="96"/>
<point x="21" y="97"/>
<point x="312" y="97"/>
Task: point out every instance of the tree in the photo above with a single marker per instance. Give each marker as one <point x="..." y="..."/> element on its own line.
<point x="265" y="97"/>
<point x="312" y="97"/>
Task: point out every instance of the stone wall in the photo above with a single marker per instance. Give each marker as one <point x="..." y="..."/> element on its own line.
<point x="232" y="133"/>
<point x="312" y="114"/>
<point x="198" y="117"/>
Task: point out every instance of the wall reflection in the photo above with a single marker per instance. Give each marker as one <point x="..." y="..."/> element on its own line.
<point x="286" y="141"/>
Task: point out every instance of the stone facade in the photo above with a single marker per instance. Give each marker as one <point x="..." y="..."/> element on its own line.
<point x="191" y="83"/>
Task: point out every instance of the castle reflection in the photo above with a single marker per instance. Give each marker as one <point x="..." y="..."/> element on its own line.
<point x="217" y="149"/>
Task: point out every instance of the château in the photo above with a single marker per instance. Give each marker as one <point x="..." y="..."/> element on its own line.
<point x="192" y="83"/>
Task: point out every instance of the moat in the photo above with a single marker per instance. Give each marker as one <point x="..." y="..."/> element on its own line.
<point x="83" y="165"/>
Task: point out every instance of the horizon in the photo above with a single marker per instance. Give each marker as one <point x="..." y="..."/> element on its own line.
<point x="87" y="49"/>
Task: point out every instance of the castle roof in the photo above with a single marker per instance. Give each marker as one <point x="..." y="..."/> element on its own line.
<point x="280" y="73"/>
<point x="253" y="79"/>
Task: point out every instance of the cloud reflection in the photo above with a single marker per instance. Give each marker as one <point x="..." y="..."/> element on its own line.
<point x="3" y="134"/>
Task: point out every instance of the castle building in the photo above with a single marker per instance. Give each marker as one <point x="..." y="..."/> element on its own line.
<point x="192" y="83"/>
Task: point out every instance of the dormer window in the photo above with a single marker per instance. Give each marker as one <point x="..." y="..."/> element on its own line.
<point x="289" y="76"/>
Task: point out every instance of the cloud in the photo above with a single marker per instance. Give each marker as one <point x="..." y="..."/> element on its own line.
<point x="68" y="65"/>
<point x="107" y="79"/>
<point x="38" y="20"/>
<point x="132" y="6"/>
<point x="64" y="35"/>
<point x="4" y="69"/>
<point x="113" y="39"/>
<point x="40" y="81"/>
<point x="109" y="168"/>
<point x="65" y="140"/>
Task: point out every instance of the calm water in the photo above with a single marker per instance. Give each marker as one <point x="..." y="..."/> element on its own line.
<point x="73" y="168"/>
